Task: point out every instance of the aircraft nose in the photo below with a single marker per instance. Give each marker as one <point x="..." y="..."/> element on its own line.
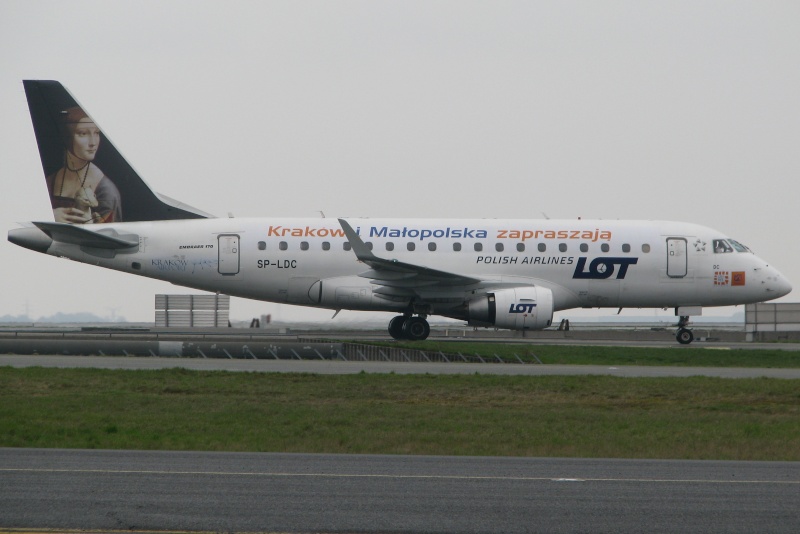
<point x="776" y="284"/>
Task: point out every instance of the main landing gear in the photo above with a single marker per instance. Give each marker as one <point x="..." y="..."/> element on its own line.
<point x="684" y="335"/>
<point x="409" y="327"/>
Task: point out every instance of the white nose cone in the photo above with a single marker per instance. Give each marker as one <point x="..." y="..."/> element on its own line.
<point x="776" y="285"/>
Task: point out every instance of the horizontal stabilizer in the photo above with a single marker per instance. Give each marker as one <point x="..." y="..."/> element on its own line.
<point x="80" y="235"/>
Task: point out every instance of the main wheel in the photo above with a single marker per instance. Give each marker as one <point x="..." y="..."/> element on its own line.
<point x="396" y="327"/>
<point x="684" y="336"/>
<point x="416" y="328"/>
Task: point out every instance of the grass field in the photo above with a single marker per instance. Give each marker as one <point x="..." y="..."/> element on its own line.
<point x="593" y="416"/>
<point x="708" y="356"/>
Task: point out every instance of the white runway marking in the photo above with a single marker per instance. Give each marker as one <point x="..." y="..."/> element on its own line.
<point x="391" y="476"/>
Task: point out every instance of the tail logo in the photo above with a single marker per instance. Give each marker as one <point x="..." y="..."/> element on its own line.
<point x="80" y="192"/>
<point x="87" y="178"/>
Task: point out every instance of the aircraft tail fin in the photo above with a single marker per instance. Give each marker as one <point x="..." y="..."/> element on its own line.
<point x="87" y="178"/>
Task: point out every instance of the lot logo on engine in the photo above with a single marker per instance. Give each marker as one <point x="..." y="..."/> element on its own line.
<point x="521" y="308"/>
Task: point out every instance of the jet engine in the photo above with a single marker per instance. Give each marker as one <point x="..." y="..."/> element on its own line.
<point x="518" y="308"/>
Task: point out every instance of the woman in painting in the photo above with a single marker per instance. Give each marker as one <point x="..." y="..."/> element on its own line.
<point x="79" y="192"/>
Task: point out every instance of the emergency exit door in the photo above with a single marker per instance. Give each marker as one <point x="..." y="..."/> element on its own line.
<point x="228" y="254"/>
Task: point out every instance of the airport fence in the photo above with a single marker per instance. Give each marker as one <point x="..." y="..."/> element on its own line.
<point x="261" y="348"/>
<point x="361" y="352"/>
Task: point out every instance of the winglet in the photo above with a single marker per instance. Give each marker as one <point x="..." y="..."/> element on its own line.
<point x="363" y="253"/>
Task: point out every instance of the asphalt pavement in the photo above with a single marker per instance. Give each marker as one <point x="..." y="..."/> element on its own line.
<point x="352" y="367"/>
<point x="263" y="492"/>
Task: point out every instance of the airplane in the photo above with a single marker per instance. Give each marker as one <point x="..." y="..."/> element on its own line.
<point x="506" y="274"/>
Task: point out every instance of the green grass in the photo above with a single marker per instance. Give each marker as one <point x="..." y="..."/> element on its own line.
<point x="592" y="416"/>
<point x="605" y="355"/>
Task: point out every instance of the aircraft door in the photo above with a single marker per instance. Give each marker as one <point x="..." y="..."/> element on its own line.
<point x="228" y="254"/>
<point x="677" y="260"/>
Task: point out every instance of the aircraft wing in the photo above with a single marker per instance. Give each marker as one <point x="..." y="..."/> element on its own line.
<point x="397" y="277"/>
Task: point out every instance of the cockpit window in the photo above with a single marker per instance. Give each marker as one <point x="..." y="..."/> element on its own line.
<point x="721" y="246"/>
<point x="738" y="246"/>
<point x="725" y="246"/>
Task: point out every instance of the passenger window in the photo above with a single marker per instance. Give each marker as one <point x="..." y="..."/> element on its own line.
<point x="346" y="245"/>
<point x="432" y="246"/>
<point x="520" y="247"/>
<point x="326" y="245"/>
<point x="499" y="247"/>
<point x="542" y="247"/>
<point x="389" y="246"/>
<point x="626" y="248"/>
<point x="478" y="247"/>
<point x="304" y="245"/>
<point x="262" y="245"/>
<point x="646" y="248"/>
<point x="283" y="245"/>
<point x="369" y="244"/>
<point x="562" y="247"/>
<point x="584" y="247"/>
<point x="457" y="247"/>
<point x="604" y="247"/>
<point x="411" y="246"/>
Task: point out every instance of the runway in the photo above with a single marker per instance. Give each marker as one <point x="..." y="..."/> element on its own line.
<point x="252" y="492"/>
<point x="340" y="367"/>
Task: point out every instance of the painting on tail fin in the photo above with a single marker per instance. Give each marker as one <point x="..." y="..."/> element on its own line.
<point x="87" y="178"/>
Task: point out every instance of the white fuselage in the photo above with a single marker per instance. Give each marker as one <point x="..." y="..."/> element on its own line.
<point x="503" y="273"/>
<point x="584" y="263"/>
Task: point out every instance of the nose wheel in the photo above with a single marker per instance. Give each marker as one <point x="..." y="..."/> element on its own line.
<point x="409" y="328"/>
<point x="684" y="335"/>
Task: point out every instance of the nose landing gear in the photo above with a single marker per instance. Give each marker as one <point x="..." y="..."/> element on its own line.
<point x="684" y="335"/>
<point x="409" y="327"/>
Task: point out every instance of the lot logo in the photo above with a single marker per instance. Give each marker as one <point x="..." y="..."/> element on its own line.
<point x="521" y="308"/>
<point x="602" y="268"/>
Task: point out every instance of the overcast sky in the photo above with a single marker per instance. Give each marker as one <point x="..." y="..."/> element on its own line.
<point x="617" y="110"/>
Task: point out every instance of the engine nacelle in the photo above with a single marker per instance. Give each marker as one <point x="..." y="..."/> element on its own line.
<point x="519" y="308"/>
<point x="342" y="293"/>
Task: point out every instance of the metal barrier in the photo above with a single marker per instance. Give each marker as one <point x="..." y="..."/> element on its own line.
<point x="76" y="343"/>
<point x="360" y="352"/>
